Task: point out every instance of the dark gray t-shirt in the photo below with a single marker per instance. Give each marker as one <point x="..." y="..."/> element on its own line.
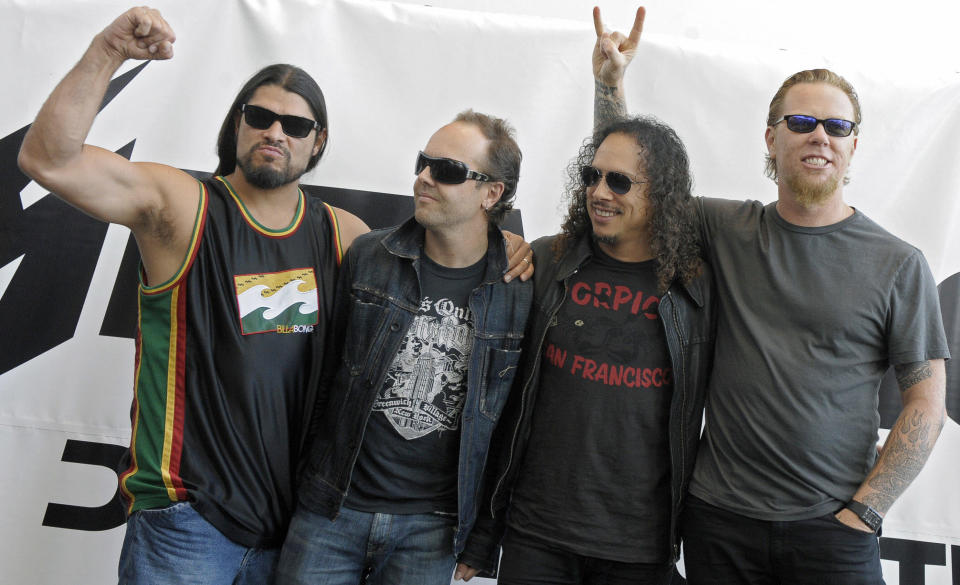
<point x="809" y="321"/>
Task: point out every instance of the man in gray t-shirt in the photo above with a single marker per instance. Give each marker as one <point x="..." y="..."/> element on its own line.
<point x="810" y="319"/>
<point x="816" y="301"/>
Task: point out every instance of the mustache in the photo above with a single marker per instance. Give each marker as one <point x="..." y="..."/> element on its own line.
<point x="277" y="145"/>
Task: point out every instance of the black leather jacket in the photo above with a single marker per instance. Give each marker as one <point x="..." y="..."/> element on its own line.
<point x="689" y="319"/>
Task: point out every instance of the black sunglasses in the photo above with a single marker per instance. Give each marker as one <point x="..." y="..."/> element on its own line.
<point x="619" y="183"/>
<point x="262" y="118"/>
<point x="806" y="124"/>
<point x="447" y="170"/>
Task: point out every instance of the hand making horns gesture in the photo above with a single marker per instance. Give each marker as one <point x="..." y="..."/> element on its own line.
<point x="614" y="51"/>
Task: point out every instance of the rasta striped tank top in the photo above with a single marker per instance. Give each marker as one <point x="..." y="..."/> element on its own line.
<point x="228" y="356"/>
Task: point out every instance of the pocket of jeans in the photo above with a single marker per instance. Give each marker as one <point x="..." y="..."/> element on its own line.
<point x="832" y="518"/>
<point x="448" y="517"/>
<point x="175" y="518"/>
<point x="172" y="509"/>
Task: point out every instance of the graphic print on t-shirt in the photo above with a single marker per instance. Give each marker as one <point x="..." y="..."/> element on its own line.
<point x="595" y="478"/>
<point x="426" y="384"/>
<point x="284" y="302"/>
<point x="610" y="334"/>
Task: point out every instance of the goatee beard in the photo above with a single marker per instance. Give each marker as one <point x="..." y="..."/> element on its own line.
<point x="266" y="177"/>
<point x="608" y="240"/>
<point x="809" y="194"/>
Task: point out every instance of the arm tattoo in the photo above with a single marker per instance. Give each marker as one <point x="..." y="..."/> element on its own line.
<point x="909" y="445"/>
<point x="910" y="374"/>
<point x="607" y="106"/>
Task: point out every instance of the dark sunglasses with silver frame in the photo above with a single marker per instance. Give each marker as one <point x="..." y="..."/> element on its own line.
<point x="261" y="118"/>
<point x="802" y="124"/>
<point x="447" y="170"/>
<point x="619" y="183"/>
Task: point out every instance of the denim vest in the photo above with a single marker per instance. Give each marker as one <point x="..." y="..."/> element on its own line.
<point x="689" y="320"/>
<point x="378" y="295"/>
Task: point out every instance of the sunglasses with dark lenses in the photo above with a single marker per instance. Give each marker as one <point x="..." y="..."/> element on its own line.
<point x="447" y="170"/>
<point x="806" y="124"/>
<point x="617" y="182"/>
<point x="262" y="118"/>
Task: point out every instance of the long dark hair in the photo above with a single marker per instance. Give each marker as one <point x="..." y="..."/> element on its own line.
<point x="290" y="78"/>
<point x="675" y="231"/>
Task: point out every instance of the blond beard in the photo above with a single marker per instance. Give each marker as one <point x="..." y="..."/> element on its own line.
<point x="809" y="194"/>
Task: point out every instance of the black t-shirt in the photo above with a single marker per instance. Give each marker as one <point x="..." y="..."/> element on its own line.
<point x="408" y="460"/>
<point x="595" y="479"/>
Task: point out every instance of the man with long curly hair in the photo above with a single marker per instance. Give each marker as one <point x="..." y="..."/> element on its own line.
<point x="602" y="434"/>
<point x="818" y="301"/>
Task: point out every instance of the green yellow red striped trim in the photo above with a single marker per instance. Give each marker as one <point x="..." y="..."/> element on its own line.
<point x="153" y="477"/>
<point x="336" y="232"/>
<point x="158" y="395"/>
<point x="173" y="421"/>
<point x="281" y="233"/>
<point x="135" y="420"/>
<point x="199" y="221"/>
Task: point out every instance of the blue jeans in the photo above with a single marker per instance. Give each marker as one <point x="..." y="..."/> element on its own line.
<point x="383" y="549"/>
<point x="723" y="548"/>
<point x="177" y="546"/>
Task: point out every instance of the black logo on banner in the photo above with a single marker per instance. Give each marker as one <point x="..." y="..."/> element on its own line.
<point x="105" y="517"/>
<point x="60" y="247"/>
<point x="890" y="403"/>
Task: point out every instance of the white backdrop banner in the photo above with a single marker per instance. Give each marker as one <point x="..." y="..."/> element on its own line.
<point x="392" y="75"/>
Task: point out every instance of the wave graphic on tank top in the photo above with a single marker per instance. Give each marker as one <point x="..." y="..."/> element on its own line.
<point x="281" y="302"/>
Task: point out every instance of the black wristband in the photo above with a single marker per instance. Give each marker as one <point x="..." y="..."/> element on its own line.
<point x="870" y="517"/>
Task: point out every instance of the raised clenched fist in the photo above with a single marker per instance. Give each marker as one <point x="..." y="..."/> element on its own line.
<point x="139" y="33"/>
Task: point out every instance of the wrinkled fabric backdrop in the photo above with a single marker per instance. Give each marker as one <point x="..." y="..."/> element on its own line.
<point x="392" y="75"/>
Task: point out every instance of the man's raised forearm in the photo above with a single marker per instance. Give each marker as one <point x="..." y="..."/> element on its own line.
<point x="612" y="54"/>
<point x="57" y="135"/>
<point x="609" y="104"/>
<point x="62" y="125"/>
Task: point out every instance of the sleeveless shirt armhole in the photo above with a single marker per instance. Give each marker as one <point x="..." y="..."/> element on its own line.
<point x="337" y="242"/>
<point x="198" y="224"/>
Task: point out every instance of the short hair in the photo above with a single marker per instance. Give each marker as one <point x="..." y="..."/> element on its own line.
<point x="503" y="158"/>
<point x="665" y="165"/>
<point x="809" y="76"/>
<point x="288" y="77"/>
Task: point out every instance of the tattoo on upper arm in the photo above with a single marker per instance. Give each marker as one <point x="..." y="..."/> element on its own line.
<point x="912" y="373"/>
<point x="607" y="106"/>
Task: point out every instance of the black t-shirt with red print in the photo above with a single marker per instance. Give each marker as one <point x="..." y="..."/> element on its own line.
<point x="595" y="479"/>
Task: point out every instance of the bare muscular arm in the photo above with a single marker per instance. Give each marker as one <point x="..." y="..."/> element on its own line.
<point x="157" y="202"/>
